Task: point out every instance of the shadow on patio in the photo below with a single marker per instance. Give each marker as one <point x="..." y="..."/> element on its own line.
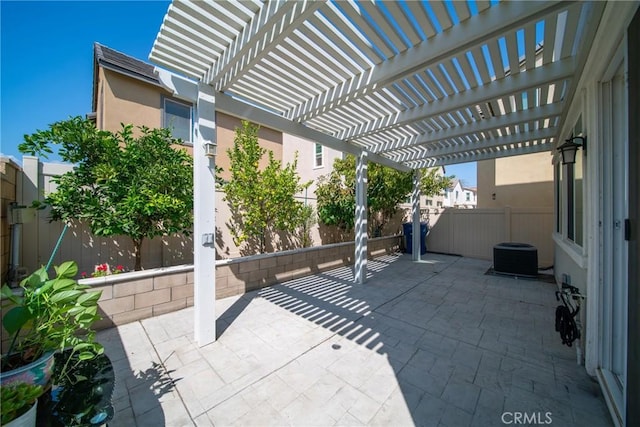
<point x="430" y="343"/>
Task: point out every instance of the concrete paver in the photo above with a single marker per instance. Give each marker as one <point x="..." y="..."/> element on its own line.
<point x="431" y="343"/>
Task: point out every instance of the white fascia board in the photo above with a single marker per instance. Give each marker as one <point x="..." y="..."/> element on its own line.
<point x="518" y="83"/>
<point x="448" y="44"/>
<point x="510" y="119"/>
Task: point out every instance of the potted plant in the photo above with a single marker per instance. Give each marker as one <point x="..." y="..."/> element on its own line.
<point x="51" y="315"/>
<point x="19" y="404"/>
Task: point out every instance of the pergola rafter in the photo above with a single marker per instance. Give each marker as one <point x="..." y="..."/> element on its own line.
<point x="507" y="150"/>
<point x="511" y="119"/>
<point x="272" y="25"/>
<point x="480" y="145"/>
<point x="442" y="48"/>
<point x="514" y="86"/>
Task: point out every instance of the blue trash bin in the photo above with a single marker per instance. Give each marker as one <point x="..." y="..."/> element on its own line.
<point x="407" y="229"/>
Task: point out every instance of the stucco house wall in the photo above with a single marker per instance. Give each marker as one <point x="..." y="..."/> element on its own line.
<point x="122" y="99"/>
<point x="597" y="259"/>
<point x="517" y="181"/>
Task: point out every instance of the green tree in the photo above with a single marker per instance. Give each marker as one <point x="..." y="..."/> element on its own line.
<point x="262" y="200"/>
<point x="386" y="188"/>
<point x="140" y="187"/>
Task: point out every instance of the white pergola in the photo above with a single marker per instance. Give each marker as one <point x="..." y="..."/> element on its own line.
<point x="408" y="84"/>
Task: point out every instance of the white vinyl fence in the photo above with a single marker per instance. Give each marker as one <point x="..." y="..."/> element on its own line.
<point x="474" y="232"/>
<point x="468" y="232"/>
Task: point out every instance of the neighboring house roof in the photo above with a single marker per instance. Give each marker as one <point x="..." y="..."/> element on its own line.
<point x="456" y="181"/>
<point x="119" y="62"/>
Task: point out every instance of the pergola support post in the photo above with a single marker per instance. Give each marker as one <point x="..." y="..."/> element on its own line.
<point x="204" y="227"/>
<point x="415" y="211"/>
<point x="360" y="272"/>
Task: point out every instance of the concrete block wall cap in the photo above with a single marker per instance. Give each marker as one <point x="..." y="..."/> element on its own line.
<point x="295" y="251"/>
<point x="153" y="272"/>
<point x="136" y="275"/>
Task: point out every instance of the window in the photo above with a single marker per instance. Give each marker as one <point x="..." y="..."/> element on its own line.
<point x="558" y="193"/>
<point x="429" y="202"/>
<point x="439" y="204"/>
<point x="457" y="194"/>
<point x="575" y="200"/>
<point x="468" y="196"/>
<point x="318" y="156"/>
<point x="177" y="118"/>
<point x="577" y="212"/>
<point x="570" y="195"/>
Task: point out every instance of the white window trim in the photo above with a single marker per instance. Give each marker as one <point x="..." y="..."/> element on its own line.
<point x="573" y="250"/>
<point x="186" y="104"/>
<point x="322" y="156"/>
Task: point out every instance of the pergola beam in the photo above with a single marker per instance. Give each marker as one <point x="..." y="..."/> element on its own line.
<point x="443" y="46"/>
<point x="511" y="119"/>
<point x="470" y="157"/>
<point x="187" y="90"/>
<point x="242" y="110"/>
<point x="484" y="144"/>
<point x="517" y="84"/>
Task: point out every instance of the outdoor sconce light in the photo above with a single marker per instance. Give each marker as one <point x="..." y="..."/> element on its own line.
<point x="570" y="147"/>
<point x="210" y="149"/>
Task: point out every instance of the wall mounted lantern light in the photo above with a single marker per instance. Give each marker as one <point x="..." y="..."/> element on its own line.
<point x="210" y="149"/>
<point x="570" y="147"/>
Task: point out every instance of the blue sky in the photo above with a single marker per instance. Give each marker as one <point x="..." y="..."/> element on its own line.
<point x="47" y="60"/>
<point x="47" y="57"/>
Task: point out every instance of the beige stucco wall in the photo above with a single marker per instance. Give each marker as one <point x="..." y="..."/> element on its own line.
<point x="226" y="126"/>
<point x="518" y="181"/>
<point x="305" y="150"/>
<point x="123" y="99"/>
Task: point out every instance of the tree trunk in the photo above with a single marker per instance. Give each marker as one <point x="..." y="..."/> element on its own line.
<point x="137" y="251"/>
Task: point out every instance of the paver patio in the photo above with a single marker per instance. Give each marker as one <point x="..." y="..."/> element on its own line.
<point x="435" y="343"/>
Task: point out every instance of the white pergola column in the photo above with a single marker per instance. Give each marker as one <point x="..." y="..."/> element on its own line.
<point x="415" y="211"/>
<point x="204" y="211"/>
<point x="360" y="272"/>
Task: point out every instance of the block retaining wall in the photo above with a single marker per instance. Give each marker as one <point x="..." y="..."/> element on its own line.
<point x="138" y="295"/>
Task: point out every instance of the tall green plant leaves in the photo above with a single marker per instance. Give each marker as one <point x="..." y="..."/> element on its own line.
<point x="262" y="200"/>
<point x="132" y="183"/>
<point x="386" y="188"/>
